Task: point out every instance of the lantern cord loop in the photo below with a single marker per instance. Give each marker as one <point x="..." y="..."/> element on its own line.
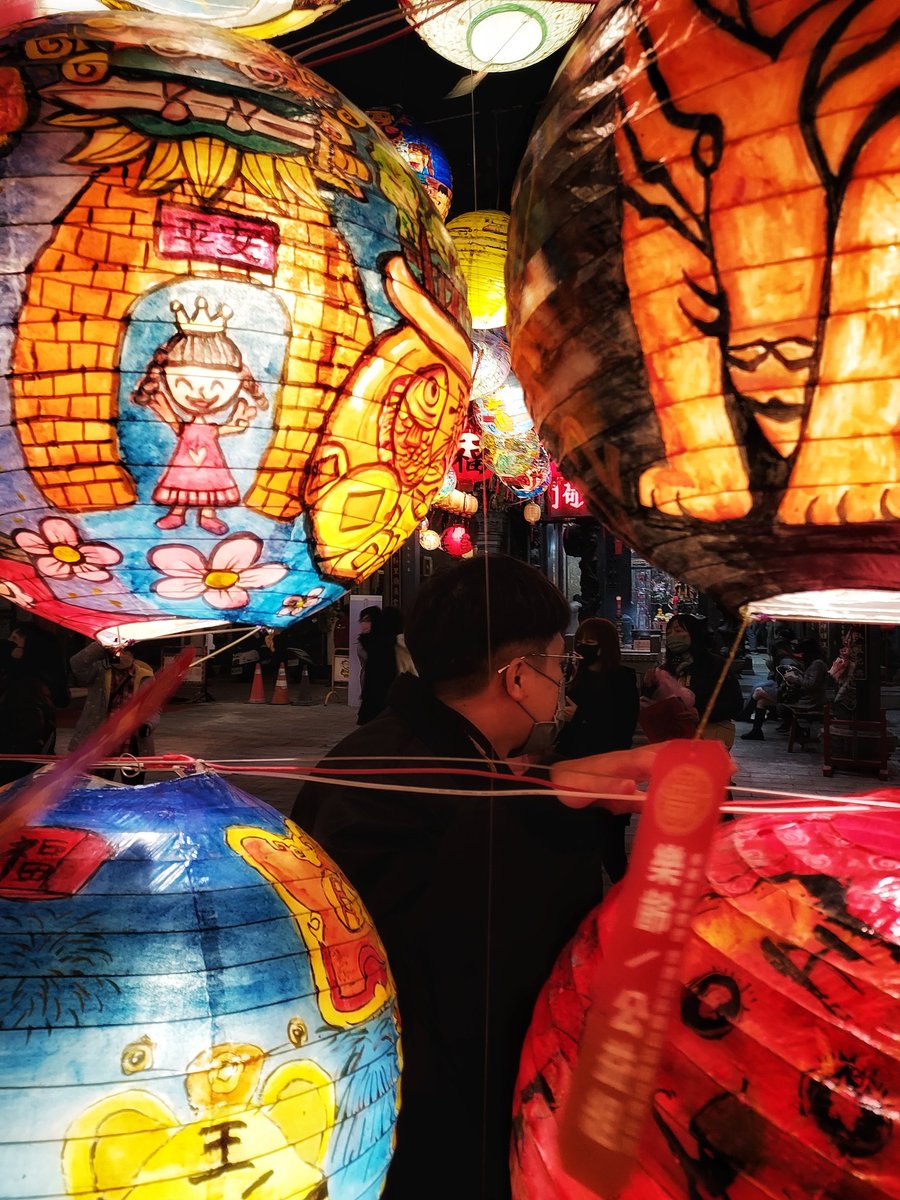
<point x="726" y="667"/>
<point x="230" y="645"/>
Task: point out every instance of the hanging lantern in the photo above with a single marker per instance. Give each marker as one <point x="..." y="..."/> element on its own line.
<point x="429" y="539"/>
<point x="480" y="240"/>
<point x="209" y="417"/>
<point x="470" y="465"/>
<point x="258" y="18"/>
<point x="510" y="455"/>
<point x="533" y="482"/>
<point x="503" y="412"/>
<point x="457" y="542"/>
<point x="739" y="427"/>
<point x="781" y="1077"/>
<point x="532" y="513"/>
<point x="420" y="151"/>
<point x="491" y="365"/>
<point x="495" y="35"/>
<point x="194" y="1001"/>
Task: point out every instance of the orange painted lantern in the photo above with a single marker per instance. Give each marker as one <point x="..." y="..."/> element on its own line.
<point x="781" y="1075"/>
<point x="704" y="293"/>
<point x="233" y="330"/>
<point x="258" y="18"/>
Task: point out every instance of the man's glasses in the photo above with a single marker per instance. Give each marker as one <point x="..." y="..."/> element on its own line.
<point x="568" y="665"/>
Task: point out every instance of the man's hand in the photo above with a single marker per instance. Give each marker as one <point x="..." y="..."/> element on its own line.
<point x="579" y="781"/>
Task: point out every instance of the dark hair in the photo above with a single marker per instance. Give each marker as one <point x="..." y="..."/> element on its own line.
<point x="466" y="620"/>
<point x="809" y="650"/>
<point x="697" y="629"/>
<point x="607" y="637"/>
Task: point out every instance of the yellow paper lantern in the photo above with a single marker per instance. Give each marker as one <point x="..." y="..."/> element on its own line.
<point x="532" y="513"/>
<point x="495" y="35"/>
<point x="705" y="294"/>
<point x="258" y="18"/>
<point x="233" y="331"/>
<point x="480" y="239"/>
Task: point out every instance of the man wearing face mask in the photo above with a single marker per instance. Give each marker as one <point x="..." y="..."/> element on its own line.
<point x="473" y="894"/>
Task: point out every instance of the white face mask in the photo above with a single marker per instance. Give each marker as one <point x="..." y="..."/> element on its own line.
<point x="543" y="734"/>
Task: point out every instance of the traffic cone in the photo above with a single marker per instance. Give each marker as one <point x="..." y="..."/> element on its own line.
<point x="304" y="692"/>
<point x="257" y="694"/>
<point x="280" y="695"/>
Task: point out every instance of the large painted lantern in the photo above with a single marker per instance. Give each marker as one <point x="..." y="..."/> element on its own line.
<point x="417" y="147"/>
<point x="258" y="18"/>
<point x="781" y="1073"/>
<point x="705" y="294"/>
<point x="235" y="358"/>
<point x="194" y="1004"/>
<point x="495" y="35"/>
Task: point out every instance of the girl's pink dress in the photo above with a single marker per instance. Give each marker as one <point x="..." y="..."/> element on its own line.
<point x="197" y="475"/>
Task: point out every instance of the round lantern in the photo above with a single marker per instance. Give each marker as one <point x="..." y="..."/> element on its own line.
<point x="419" y="149"/>
<point x="195" y="1003"/>
<point x="532" y="513"/>
<point x="469" y="463"/>
<point x="720" y="370"/>
<point x="429" y="539"/>
<point x="457" y="542"/>
<point x="533" y="482"/>
<point x="491" y="364"/>
<point x="503" y="412"/>
<point x="259" y="18"/>
<point x="781" y="1076"/>
<point x="495" y="35"/>
<point x="511" y="454"/>
<point x="232" y="336"/>
<point x="480" y="240"/>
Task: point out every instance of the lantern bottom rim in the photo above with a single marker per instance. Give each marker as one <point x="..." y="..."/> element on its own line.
<point x="857" y="606"/>
<point x="155" y="628"/>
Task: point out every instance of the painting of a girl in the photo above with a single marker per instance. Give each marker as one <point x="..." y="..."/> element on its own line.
<point x="197" y="375"/>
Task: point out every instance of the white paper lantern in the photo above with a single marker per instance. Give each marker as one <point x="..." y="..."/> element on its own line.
<point x="491" y="363"/>
<point x="495" y="35"/>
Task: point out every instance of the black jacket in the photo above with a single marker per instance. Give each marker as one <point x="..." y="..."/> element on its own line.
<point x="606" y="716"/>
<point x="473" y="897"/>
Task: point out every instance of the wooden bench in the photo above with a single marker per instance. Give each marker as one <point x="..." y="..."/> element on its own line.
<point x="862" y="745"/>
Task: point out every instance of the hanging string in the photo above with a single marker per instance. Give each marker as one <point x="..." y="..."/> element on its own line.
<point x="739" y="637"/>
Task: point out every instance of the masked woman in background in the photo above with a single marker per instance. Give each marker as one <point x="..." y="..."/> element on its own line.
<point x="602" y="716"/>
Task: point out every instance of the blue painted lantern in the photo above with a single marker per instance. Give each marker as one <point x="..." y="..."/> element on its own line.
<point x="418" y="148"/>
<point x="193" y="1002"/>
<point x="232" y="328"/>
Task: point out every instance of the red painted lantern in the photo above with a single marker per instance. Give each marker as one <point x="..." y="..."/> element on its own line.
<point x="456" y="541"/>
<point x="704" y="298"/>
<point x="781" y="1077"/>
<point x="470" y="464"/>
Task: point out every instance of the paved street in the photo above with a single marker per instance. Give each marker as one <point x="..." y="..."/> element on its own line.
<point x="230" y="728"/>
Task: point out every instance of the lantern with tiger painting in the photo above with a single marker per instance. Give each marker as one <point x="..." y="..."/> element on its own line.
<point x="704" y="293"/>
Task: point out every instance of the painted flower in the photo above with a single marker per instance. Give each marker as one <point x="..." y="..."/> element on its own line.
<point x="14" y="594"/>
<point x="59" y="552"/>
<point x="223" y="579"/>
<point x="295" y="606"/>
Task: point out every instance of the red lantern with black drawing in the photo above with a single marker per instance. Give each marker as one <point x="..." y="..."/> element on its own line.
<point x="721" y="371"/>
<point x="456" y="541"/>
<point x="781" y="1077"/>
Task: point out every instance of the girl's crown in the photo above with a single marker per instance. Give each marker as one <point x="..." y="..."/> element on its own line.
<point x="203" y="320"/>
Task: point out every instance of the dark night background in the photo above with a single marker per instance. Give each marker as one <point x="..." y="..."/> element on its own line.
<point x="405" y="71"/>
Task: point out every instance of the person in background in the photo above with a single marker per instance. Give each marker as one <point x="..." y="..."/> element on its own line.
<point x="691" y="661"/>
<point x="473" y="894"/>
<point x="605" y="703"/>
<point x="809" y="683"/>
<point x="377" y="647"/>
<point x="767" y="695"/>
<point x="27" y="700"/>
<point x="112" y="676"/>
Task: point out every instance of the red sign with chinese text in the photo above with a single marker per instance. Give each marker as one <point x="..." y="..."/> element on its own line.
<point x="47" y="863"/>
<point x="636" y="992"/>
<point x="217" y="237"/>
<point x="469" y="463"/>
<point x="564" y="500"/>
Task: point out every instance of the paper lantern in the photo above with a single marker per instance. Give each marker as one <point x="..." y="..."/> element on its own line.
<point x="532" y="513"/>
<point x="495" y="35"/>
<point x="232" y="335"/>
<point x="420" y="151"/>
<point x="457" y="542"/>
<point x="781" y="1076"/>
<point x="503" y="412"/>
<point x="491" y="365"/>
<point x="470" y="465"/>
<point x="258" y="18"/>
<point x="511" y="454"/>
<point x="533" y="482"/>
<point x="704" y="294"/>
<point x="480" y="240"/>
<point x="429" y="539"/>
<point x="194" y="1003"/>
